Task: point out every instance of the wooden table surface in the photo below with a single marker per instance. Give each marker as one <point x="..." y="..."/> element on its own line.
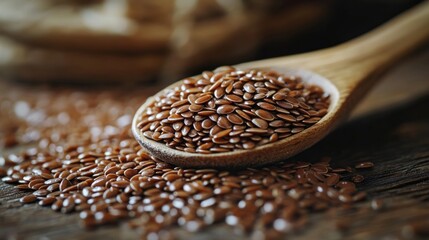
<point x="390" y="128"/>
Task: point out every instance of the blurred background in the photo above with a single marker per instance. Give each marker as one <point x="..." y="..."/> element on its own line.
<point x="123" y="41"/>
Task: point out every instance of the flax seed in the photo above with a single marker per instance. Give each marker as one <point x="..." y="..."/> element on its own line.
<point x="109" y="173"/>
<point x="28" y="198"/>
<point x="255" y="100"/>
<point x="364" y="165"/>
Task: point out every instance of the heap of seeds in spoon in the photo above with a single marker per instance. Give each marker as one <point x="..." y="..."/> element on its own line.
<point x="230" y="109"/>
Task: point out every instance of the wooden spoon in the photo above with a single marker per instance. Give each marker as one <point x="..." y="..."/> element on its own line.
<point x="346" y="72"/>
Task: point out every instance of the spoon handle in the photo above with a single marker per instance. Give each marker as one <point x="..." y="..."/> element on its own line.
<point x="360" y="61"/>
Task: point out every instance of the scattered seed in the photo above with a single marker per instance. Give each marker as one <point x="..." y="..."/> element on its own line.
<point x="28" y="198"/>
<point x="102" y="169"/>
<point x="357" y="178"/>
<point x="364" y="165"/>
<point x="377" y="204"/>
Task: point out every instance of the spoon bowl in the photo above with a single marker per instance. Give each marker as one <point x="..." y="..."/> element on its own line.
<point x="345" y="72"/>
<point x="263" y="154"/>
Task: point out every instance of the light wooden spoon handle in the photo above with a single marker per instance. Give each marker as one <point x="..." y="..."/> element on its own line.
<point x="357" y="65"/>
<point x="371" y="54"/>
<point x="359" y="60"/>
<point x="354" y="67"/>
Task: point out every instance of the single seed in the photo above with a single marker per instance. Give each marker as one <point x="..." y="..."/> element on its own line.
<point x="225" y="109"/>
<point x="357" y="178"/>
<point x="166" y="136"/>
<point x="64" y="184"/>
<point x="222" y="133"/>
<point x="195" y="108"/>
<point x="364" y="165"/>
<point x="223" y="123"/>
<point x="286" y="117"/>
<point x="28" y="198"/>
<point x="333" y="179"/>
<point x="264" y="115"/>
<point x="234" y="98"/>
<point x="377" y="204"/>
<point x="260" y="123"/>
<point x="47" y="201"/>
<point x="203" y="99"/>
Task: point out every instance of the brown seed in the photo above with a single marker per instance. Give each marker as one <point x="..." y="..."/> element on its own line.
<point x="248" y="145"/>
<point x="357" y="178"/>
<point x="182" y="109"/>
<point x="38" y="186"/>
<point x="129" y="173"/>
<point x="3" y="172"/>
<point x="222" y="133"/>
<point x="174" y="117"/>
<point x="234" y="98"/>
<point x="53" y="187"/>
<point x="377" y="204"/>
<point x="57" y="205"/>
<point x="71" y="176"/>
<point x="286" y="117"/>
<point x="285" y="105"/>
<point x="311" y="120"/>
<point x="260" y="123"/>
<point x="225" y="109"/>
<point x="119" y="184"/>
<point x="359" y="196"/>
<point x="40" y="193"/>
<point x="282" y="130"/>
<point x="234" y="119"/>
<point x="249" y="88"/>
<point x="22" y="186"/>
<point x="243" y="115"/>
<point x="64" y="184"/>
<point x="162" y="115"/>
<point x="223" y="123"/>
<point x="179" y="103"/>
<point x="195" y="108"/>
<point x="28" y="198"/>
<point x="207" y="124"/>
<point x="364" y="165"/>
<point x="46" y="175"/>
<point x="277" y="124"/>
<point x="332" y="180"/>
<point x="166" y="136"/>
<point x="346" y="198"/>
<point x="97" y="183"/>
<point x="279" y="96"/>
<point x="297" y="130"/>
<point x="219" y="92"/>
<point x="47" y="201"/>
<point x="256" y="130"/>
<point x="203" y="99"/>
<point x="264" y="115"/>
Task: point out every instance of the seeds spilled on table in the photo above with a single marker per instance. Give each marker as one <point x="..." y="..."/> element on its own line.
<point x="86" y="160"/>
<point x="230" y="109"/>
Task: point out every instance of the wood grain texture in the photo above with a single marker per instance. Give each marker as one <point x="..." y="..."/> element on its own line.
<point x="396" y="140"/>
